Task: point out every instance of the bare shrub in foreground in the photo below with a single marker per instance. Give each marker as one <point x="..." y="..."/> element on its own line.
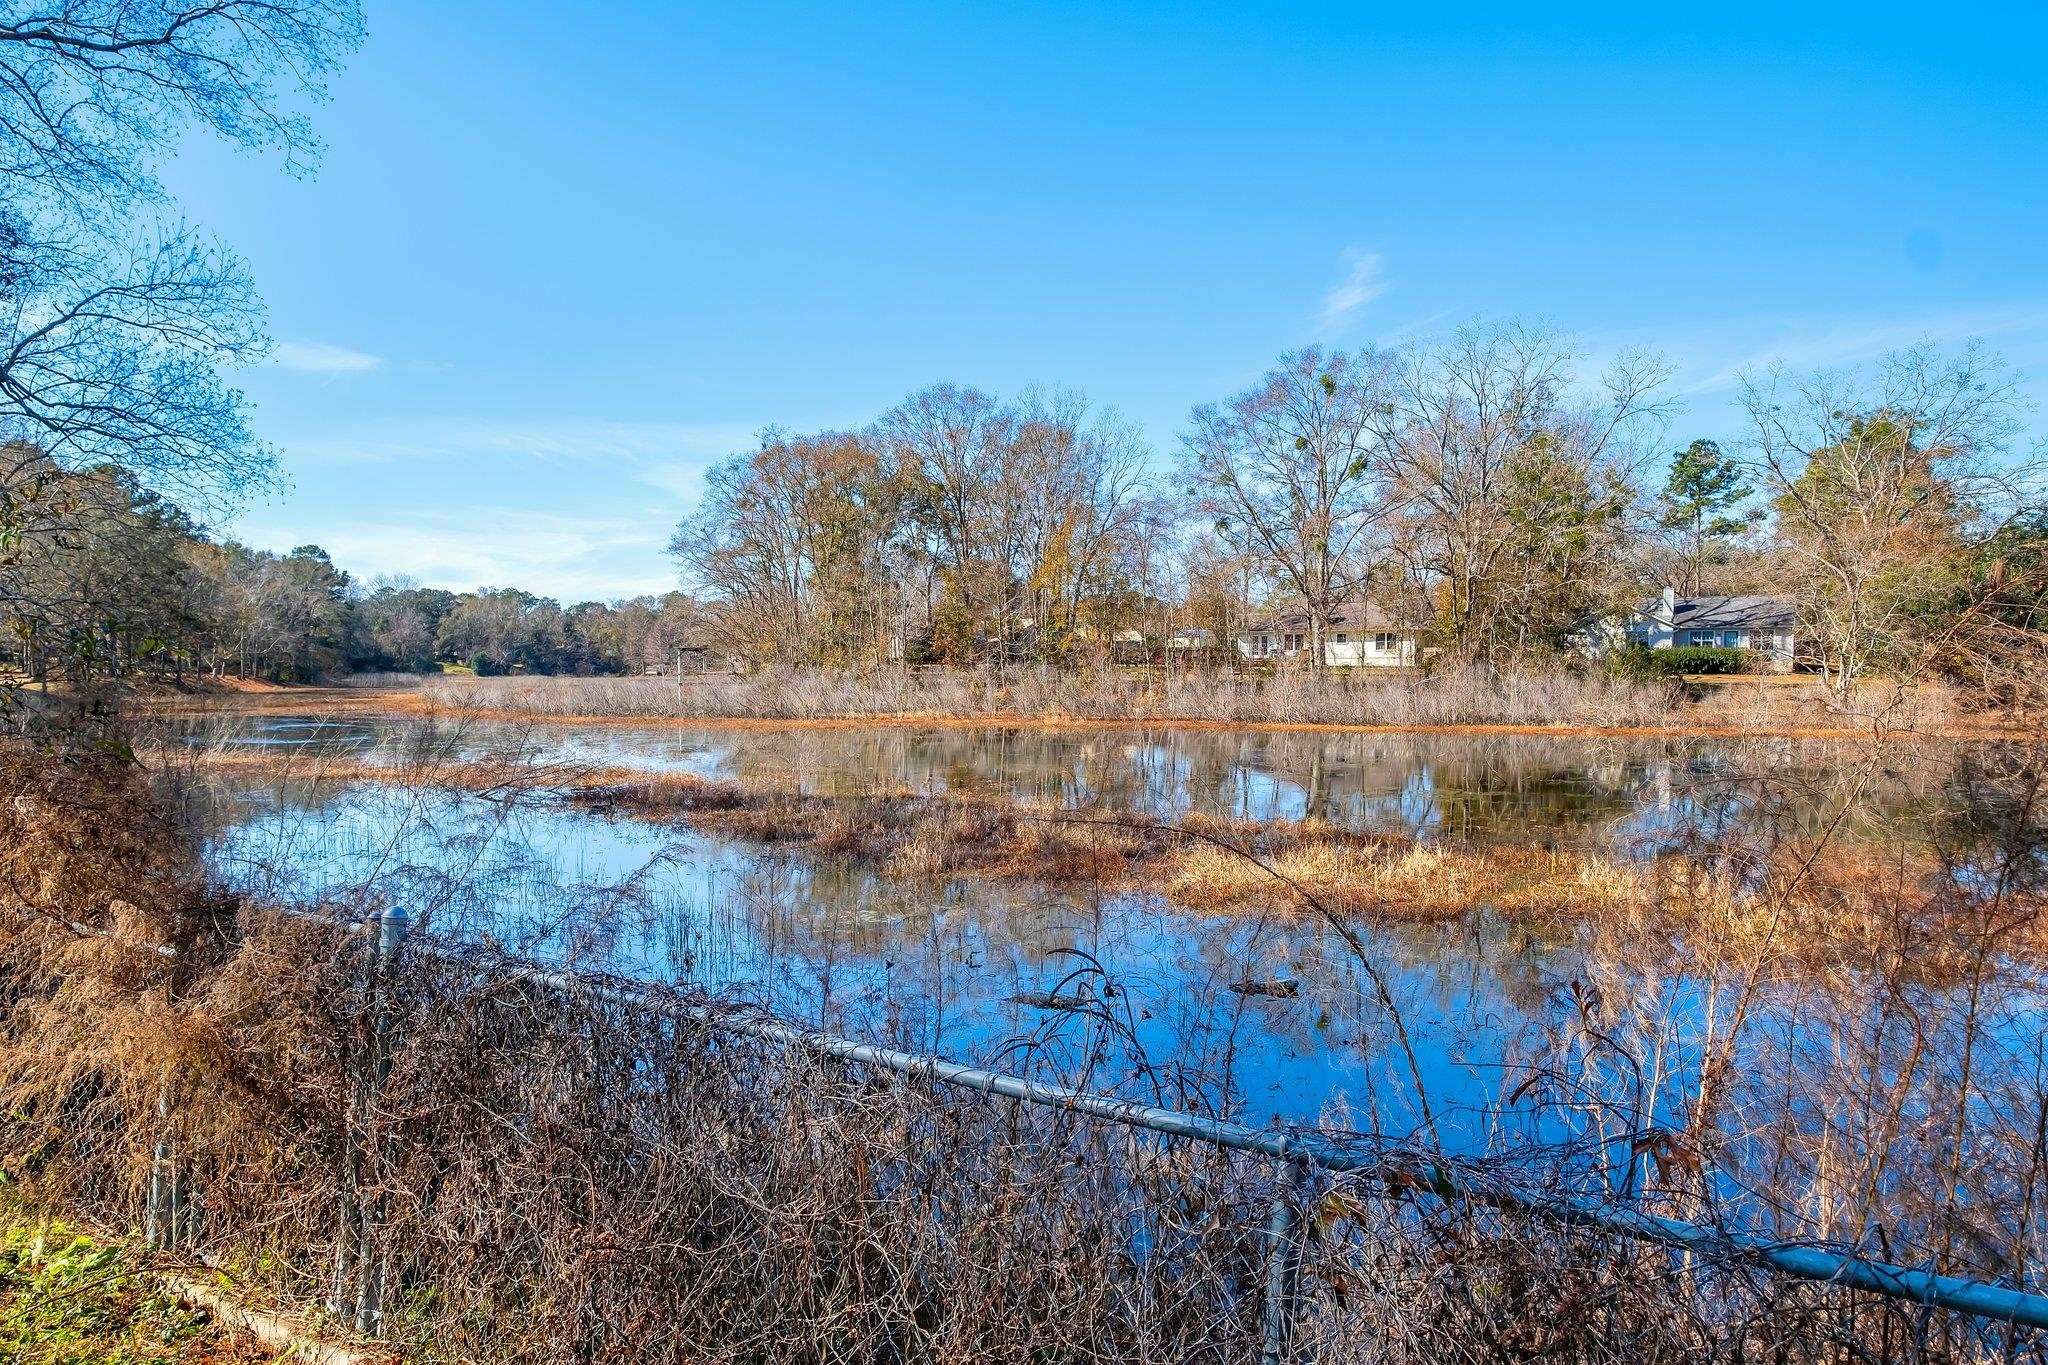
<point x="560" y="1178"/>
<point x="556" y="1176"/>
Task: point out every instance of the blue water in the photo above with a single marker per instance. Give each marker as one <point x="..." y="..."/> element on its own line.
<point x="1512" y="1028"/>
<point x="1124" y="992"/>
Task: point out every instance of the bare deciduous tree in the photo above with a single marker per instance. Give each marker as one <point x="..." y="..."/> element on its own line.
<point x="1078" y="477"/>
<point x="114" y="320"/>
<point x="1295" y="464"/>
<point x="790" y="543"/>
<point x="1884" y="484"/>
<point x="1509" y="483"/>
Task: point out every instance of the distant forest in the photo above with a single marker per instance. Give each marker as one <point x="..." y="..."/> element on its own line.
<point x="123" y="583"/>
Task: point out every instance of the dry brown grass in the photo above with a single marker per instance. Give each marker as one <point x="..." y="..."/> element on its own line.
<point x="1529" y="703"/>
<point x="1415" y="882"/>
<point x="565" y="1179"/>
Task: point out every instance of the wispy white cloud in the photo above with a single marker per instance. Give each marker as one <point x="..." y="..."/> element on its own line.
<point x="1418" y="328"/>
<point x="604" y="441"/>
<point x="569" y="557"/>
<point x="682" y="479"/>
<point x="569" y="540"/>
<point x="1711" y="356"/>
<point x="1363" y="281"/>
<point x="666" y="455"/>
<point x="317" y="357"/>
<point x="1818" y="348"/>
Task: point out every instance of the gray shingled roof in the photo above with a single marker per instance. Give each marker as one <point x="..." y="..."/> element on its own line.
<point x="1739" y="612"/>
<point x="1346" y="616"/>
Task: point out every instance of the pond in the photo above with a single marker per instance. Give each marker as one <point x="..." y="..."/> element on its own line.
<point x="1432" y="786"/>
<point x="1468" y="1029"/>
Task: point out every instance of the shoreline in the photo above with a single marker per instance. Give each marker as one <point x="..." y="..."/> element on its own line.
<point x="338" y="700"/>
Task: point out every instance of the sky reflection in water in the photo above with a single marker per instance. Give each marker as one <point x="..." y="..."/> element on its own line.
<point x="968" y="970"/>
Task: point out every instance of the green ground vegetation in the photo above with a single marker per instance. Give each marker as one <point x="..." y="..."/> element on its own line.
<point x="71" y="1298"/>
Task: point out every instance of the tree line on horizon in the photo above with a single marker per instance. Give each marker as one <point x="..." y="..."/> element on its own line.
<point x="1480" y="490"/>
<point x="119" y="582"/>
<point x="1476" y="491"/>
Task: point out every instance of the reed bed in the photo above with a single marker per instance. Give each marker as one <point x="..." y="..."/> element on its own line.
<point x="1445" y="697"/>
<point x="380" y="681"/>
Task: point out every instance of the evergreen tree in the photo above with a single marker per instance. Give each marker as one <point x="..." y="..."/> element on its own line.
<point x="1705" y="486"/>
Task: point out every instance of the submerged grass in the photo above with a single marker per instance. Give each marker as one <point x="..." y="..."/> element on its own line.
<point x="1198" y="861"/>
<point x="1810" y="911"/>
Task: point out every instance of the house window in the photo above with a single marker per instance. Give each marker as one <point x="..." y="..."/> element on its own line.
<point x="1385" y="641"/>
<point x="1699" y="638"/>
<point x="1731" y="639"/>
<point x="1342" y="637"/>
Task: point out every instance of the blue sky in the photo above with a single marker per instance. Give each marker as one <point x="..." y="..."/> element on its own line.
<point x="560" y="258"/>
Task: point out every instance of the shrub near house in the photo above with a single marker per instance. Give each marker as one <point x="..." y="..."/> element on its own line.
<point x="1641" y="661"/>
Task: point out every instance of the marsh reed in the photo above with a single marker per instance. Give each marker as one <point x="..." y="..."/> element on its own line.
<point x="1449" y="697"/>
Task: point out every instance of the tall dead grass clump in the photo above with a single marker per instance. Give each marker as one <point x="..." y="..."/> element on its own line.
<point x="1462" y="696"/>
<point x="1410" y="882"/>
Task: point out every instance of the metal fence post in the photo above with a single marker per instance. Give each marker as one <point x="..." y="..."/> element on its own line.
<point x="392" y="927"/>
<point x="341" y="1296"/>
<point x="357" y="1292"/>
<point x="1285" y="1232"/>
<point x="159" y="1227"/>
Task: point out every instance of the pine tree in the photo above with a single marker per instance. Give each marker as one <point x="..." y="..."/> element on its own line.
<point x="1704" y="487"/>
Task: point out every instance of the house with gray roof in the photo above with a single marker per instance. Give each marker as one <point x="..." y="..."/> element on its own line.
<point x="1360" y="635"/>
<point x="1767" y="625"/>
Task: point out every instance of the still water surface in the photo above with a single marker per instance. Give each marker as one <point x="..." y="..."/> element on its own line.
<point x="1121" y="991"/>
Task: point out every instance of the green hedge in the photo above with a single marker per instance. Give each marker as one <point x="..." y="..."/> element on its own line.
<point x="1639" y="661"/>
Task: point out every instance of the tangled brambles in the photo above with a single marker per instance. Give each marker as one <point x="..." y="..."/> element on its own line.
<point x="547" y="1173"/>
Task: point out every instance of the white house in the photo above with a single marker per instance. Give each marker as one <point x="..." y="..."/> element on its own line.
<point x="1768" y="625"/>
<point x="1359" y="635"/>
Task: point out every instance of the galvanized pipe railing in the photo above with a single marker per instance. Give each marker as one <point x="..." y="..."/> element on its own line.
<point x="1295" y="1150"/>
